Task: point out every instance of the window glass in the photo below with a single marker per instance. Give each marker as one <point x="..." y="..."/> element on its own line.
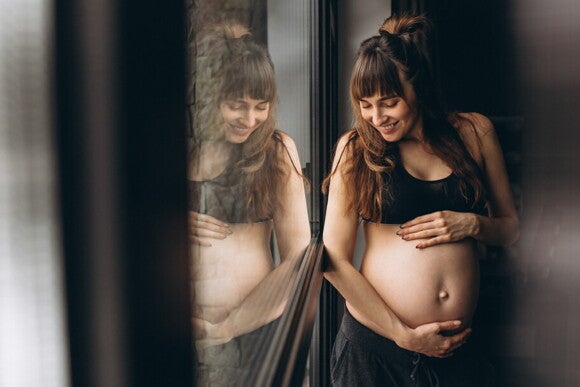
<point x="248" y="109"/>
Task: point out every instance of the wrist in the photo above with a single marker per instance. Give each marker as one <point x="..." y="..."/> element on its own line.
<point x="475" y="226"/>
<point x="401" y="335"/>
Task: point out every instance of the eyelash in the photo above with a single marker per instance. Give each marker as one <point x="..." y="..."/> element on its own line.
<point x="240" y="107"/>
<point x="387" y="105"/>
<point x="234" y="107"/>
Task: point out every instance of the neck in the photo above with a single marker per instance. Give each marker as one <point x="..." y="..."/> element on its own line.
<point x="211" y="159"/>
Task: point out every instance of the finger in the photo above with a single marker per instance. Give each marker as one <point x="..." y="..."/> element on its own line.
<point x="443" y="355"/>
<point x="459" y="339"/>
<point x="195" y="216"/>
<point x="418" y="220"/>
<point x="204" y="232"/>
<point x="434" y="241"/>
<point x="429" y="233"/>
<point x="450" y="325"/>
<point x="200" y="224"/>
<point x="462" y="336"/>
<point x="199" y="242"/>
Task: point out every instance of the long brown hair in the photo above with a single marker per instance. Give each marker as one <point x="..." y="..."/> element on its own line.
<point x="232" y="65"/>
<point x="401" y="49"/>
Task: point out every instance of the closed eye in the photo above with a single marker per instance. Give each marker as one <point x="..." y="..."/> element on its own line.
<point x="234" y="106"/>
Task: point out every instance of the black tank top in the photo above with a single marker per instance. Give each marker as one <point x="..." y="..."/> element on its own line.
<point x="412" y="197"/>
<point x="223" y="197"/>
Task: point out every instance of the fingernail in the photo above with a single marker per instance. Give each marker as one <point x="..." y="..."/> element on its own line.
<point x="399" y="232"/>
<point x="457" y="322"/>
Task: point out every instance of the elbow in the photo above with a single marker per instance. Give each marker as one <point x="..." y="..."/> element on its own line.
<point x="327" y="266"/>
<point x="513" y="235"/>
<point x="330" y="266"/>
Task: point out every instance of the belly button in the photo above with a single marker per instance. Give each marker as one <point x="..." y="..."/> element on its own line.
<point x="443" y="295"/>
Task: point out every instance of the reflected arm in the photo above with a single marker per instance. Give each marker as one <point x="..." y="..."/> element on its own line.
<point x="268" y="299"/>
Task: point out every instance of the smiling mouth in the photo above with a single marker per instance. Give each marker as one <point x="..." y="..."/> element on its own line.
<point x="239" y="129"/>
<point x="387" y="127"/>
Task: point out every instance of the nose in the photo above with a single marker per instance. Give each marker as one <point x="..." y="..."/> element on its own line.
<point x="250" y="119"/>
<point x="377" y="116"/>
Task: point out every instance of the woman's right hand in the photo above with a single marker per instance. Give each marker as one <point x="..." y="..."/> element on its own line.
<point x="429" y="339"/>
<point x="203" y="228"/>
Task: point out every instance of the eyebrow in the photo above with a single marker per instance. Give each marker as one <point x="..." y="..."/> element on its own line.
<point x="242" y="100"/>
<point x="386" y="97"/>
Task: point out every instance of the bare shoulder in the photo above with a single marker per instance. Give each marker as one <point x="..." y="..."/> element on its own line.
<point x="286" y="139"/>
<point x="343" y="142"/>
<point x="288" y="145"/>
<point x="473" y="123"/>
<point x="473" y="128"/>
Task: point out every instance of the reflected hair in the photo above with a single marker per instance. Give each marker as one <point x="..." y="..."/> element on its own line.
<point x="400" y="52"/>
<point x="235" y="66"/>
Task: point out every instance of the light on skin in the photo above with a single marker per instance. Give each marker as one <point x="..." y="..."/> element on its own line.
<point x="242" y="116"/>
<point x="393" y="116"/>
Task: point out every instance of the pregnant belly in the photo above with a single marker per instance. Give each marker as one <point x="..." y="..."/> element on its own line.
<point x="224" y="274"/>
<point x="439" y="283"/>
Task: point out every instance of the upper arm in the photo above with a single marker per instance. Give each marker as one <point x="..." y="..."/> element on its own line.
<point x="340" y="225"/>
<point x="501" y="201"/>
<point x="291" y="223"/>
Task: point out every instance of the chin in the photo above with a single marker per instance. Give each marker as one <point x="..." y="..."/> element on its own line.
<point x="236" y="139"/>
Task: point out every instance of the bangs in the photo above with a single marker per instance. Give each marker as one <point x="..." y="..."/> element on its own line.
<point x="374" y="73"/>
<point x="253" y="78"/>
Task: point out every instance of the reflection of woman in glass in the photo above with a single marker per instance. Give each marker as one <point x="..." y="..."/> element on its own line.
<point x="244" y="183"/>
<point x="427" y="185"/>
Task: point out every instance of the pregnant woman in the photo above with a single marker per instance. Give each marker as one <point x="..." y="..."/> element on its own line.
<point x="427" y="186"/>
<point x="245" y="185"/>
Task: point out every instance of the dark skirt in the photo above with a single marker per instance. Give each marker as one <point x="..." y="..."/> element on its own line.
<point x="237" y="362"/>
<point x="361" y="357"/>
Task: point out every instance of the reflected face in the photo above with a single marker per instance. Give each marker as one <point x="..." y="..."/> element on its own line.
<point x="242" y="116"/>
<point x="394" y="117"/>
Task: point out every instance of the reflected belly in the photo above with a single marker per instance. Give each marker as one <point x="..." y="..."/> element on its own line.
<point x="225" y="273"/>
<point x="438" y="283"/>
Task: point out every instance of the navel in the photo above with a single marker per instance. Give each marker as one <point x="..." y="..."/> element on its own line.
<point x="443" y="295"/>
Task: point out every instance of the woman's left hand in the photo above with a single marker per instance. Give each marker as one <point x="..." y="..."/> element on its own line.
<point x="440" y="227"/>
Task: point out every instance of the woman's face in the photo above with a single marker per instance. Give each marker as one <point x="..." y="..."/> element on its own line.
<point x="394" y="117"/>
<point x="242" y="116"/>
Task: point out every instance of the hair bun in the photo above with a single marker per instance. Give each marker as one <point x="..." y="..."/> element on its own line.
<point x="405" y="24"/>
<point x="236" y="31"/>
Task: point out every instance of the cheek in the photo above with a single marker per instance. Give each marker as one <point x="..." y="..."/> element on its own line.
<point x="229" y="115"/>
<point x="263" y="116"/>
<point x="365" y="115"/>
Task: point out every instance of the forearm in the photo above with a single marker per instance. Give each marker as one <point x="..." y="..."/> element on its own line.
<point x="266" y="301"/>
<point x="363" y="297"/>
<point x="500" y="231"/>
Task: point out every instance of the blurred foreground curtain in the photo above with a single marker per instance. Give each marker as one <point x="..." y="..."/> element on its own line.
<point x="33" y="350"/>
